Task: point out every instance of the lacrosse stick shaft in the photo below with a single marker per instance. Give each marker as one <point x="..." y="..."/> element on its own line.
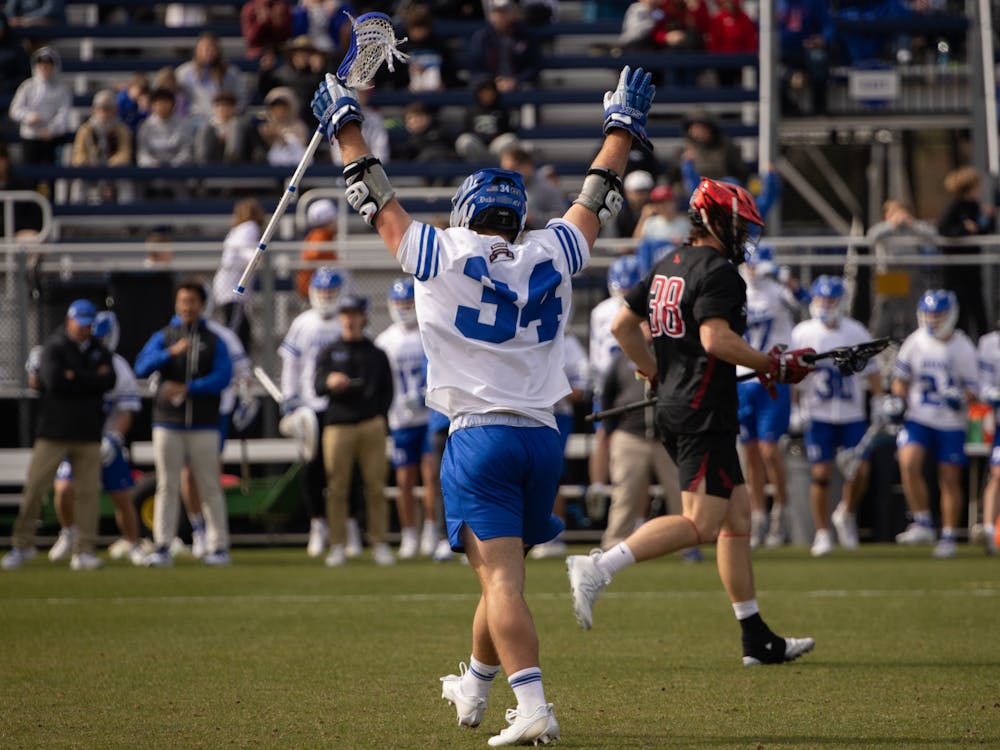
<point x="623" y="409"/>
<point x="286" y="198"/>
<point x="852" y="456"/>
<point x="269" y="385"/>
<point x="869" y="348"/>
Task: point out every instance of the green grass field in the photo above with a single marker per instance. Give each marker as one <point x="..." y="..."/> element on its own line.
<point x="280" y="652"/>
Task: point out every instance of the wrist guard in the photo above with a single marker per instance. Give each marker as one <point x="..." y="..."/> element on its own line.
<point x="368" y="188"/>
<point x="602" y="193"/>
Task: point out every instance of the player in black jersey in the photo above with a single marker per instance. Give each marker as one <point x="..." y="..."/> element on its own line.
<point x="694" y="302"/>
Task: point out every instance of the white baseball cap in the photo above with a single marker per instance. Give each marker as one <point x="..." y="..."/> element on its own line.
<point x="639" y="180"/>
<point x="320" y="212"/>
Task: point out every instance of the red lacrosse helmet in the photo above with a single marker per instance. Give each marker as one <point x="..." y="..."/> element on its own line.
<point x="730" y="213"/>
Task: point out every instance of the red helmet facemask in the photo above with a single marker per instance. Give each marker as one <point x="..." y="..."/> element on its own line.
<point x="730" y="214"/>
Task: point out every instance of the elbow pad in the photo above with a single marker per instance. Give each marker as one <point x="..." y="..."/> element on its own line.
<point x="602" y="193"/>
<point x="368" y="188"/>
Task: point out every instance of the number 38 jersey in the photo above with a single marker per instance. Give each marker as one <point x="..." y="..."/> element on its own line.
<point x="697" y="391"/>
<point x="492" y="316"/>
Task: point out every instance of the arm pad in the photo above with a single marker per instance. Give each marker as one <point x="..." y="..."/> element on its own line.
<point x="602" y="193"/>
<point x="368" y="188"/>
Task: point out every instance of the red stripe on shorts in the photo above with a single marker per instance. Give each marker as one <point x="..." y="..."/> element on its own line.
<point x="703" y="386"/>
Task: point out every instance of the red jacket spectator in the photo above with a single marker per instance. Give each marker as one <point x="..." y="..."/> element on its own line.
<point x="684" y="24"/>
<point x="731" y="30"/>
<point x="265" y="25"/>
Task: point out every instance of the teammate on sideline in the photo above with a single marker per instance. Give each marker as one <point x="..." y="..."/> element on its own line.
<point x="310" y="332"/>
<point x="936" y="373"/>
<point x="772" y="309"/>
<point x="492" y="314"/>
<point x="833" y="407"/>
<point x="989" y="374"/>
<point x="694" y="299"/>
<point x="409" y="416"/>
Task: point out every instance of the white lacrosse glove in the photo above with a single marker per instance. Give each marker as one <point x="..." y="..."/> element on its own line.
<point x="111" y="444"/>
<point x="627" y="106"/>
<point x="889" y="407"/>
<point x="335" y="105"/>
<point x="991" y="395"/>
<point x="953" y="398"/>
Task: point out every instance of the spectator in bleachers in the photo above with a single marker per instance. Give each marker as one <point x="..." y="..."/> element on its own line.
<point x="105" y="141"/>
<point x="863" y="46"/>
<point x="539" y="12"/>
<point x="237" y="248"/>
<point x="179" y="15"/>
<point x="206" y="74"/>
<point x="545" y="200"/>
<point x="223" y="137"/>
<point x="504" y="50"/>
<point x="604" y="9"/>
<point x="324" y="23"/>
<point x="265" y="25"/>
<point x="708" y="150"/>
<point x="730" y="31"/>
<point x="166" y="78"/>
<point x="15" y="65"/>
<point x="425" y="140"/>
<point x="35" y="12"/>
<point x="488" y="126"/>
<point x="283" y="134"/>
<point x="431" y="66"/>
<point x="164" y="138"/>
<point x="373" y="129"/>
<point x="806" y="35"/>
<point x="639" y="26"/>
<point x="661" y="227"/>
<point x="638" y="186"/>
<point x="296" y="73"/>
<point x="321" y="221"/>
<point x="42" y="107"/>
<point x="133" y="101"/>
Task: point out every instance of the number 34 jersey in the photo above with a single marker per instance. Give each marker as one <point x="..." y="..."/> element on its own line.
<point x="686" y="287"/>
<point x="826" y="395"/>
<point x="492" y="316"/>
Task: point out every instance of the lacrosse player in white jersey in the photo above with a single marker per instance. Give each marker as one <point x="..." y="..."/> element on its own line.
<point x="310" y="332"/>
<point x="121" y="403"/>
<point x="412" y="454"/>
<point x="936" y="373"/>
<point x="772" y="309"/>
<point x="989" y="381"/>
<point x="623" y="274"/>
<point x="833" y="408"/>
<point x="492" y="304"/>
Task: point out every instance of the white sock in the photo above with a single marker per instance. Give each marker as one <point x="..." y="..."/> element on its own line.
<point x="948" y="533"/>
<point x="430" y="527"/>
<point x="617" y="558"/>
<point x="527" y="687"/>
<point x="410" y="532"/>
<point x="746" y="609"/>
<point x="989" y="530"/>
<point x="923" y="518"/>
<point x="478" y="679"/>
<point x="197" y="521"/>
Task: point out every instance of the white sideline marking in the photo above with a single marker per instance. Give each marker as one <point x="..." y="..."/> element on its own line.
<point x="987" y="590"/>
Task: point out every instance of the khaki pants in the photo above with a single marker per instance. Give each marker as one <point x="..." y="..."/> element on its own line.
<point x="200" y="449"/>
<point x="342" y="445"/>
<point x="45" y="458"/>
<point x="632" y="458"/>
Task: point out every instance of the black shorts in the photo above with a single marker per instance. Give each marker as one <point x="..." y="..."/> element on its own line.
<point x="706" y="455"/>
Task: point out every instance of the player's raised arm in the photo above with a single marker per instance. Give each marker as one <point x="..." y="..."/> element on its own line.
<point x="625" y="111"/>
<point x="368" y="188"/>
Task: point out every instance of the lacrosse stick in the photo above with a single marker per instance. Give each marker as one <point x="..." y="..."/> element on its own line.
<point x="848" y="359"/>
<point x="373" y="40"/>
<point x="623" y="409"/>
<point x="849" y="459"/>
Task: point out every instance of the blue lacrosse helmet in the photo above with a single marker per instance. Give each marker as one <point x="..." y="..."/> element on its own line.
<point x="827" y="299"/>
<point x="106" y="329"/>
<point x="401" y="301"/>
<point x="937" y="312"/>
<point x="623" y="274"/>
<point x="324" y="289"/>
<point x="491" y="199"/>
<point x="761" y="260"/>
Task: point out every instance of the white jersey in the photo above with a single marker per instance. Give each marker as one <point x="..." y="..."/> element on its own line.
<point x="405" y="351"/>
<point x="125" y="394"/>
<point x="239" y="360"/>
<point x="492" y="316"/>
<point x="603" y="344"/>
<point x="771" y="310"/>
<point x="309" y="333"/>
<point x="929" y="366"/>
<point x="576" y="368"/>
<point x="825" y="395"/>
<point x="988" y="355"/>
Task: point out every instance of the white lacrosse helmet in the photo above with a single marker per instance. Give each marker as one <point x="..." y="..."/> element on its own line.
<point x="402" y="308"/>
<point x="324" y="290"/>
<point x="937" y="313"/>
<point x="827" y="304"/>
<point x="302" y="426"/>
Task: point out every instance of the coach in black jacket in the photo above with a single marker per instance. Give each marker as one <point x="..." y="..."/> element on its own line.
<point x="74" y="374"/>
<point x="355" y="375"/>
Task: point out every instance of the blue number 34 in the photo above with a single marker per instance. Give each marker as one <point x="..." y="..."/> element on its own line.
<point x="543" y="305"/>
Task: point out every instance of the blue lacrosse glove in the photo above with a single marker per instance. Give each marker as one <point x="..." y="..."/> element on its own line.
<point x="627" y="106"/>
<point x="953" y="398"/>
<point x="335" y="105"/>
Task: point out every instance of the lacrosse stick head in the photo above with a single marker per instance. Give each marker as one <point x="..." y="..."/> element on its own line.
<point x="373" y="41"/>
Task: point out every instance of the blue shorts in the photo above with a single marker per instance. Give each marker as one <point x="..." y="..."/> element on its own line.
<point x="946" y="446"/>
<point x="995" y="453"/>
<point x="409" y="444"/>
<point x="761" y="417"/>
<point x="596" y="407"/>
<point x="565" y="424"/>
<point x="502" y="481"/>
<point x="114" y="477"/>
<point x="823" y="438"/>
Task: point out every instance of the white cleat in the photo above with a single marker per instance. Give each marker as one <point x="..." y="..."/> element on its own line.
<point x="442" y="552"/>
<point x="119" y="549"/>
<point x="585" y="583"/>
<point x="159" y="558"/>
<point x="337" y="556"/>
<point x="136" y="555"/>
<point x="63" y="547"/>
<point x="17" y="557"/>
<point x="218" y="559"/>
<point x="428" y="540"/>
<point x="178" y="548"/>
<point x="199" y="546"/>
<point x="822" y="544"/>
<point x="409" y="544"/>
<point x="85" y="561"/>
<point x="555" y="548"/>
<point x="846" y="525"/>
<point x="794" y="648"/>
<point x="916" y="533"/>
<point x="470" y="708"/>
<point x="319" y="534"/>
<point x="945" y="549"/>
<point x="353" y="546"/>
<point x="537" y="728"/>
<point x="382" y="555"/>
